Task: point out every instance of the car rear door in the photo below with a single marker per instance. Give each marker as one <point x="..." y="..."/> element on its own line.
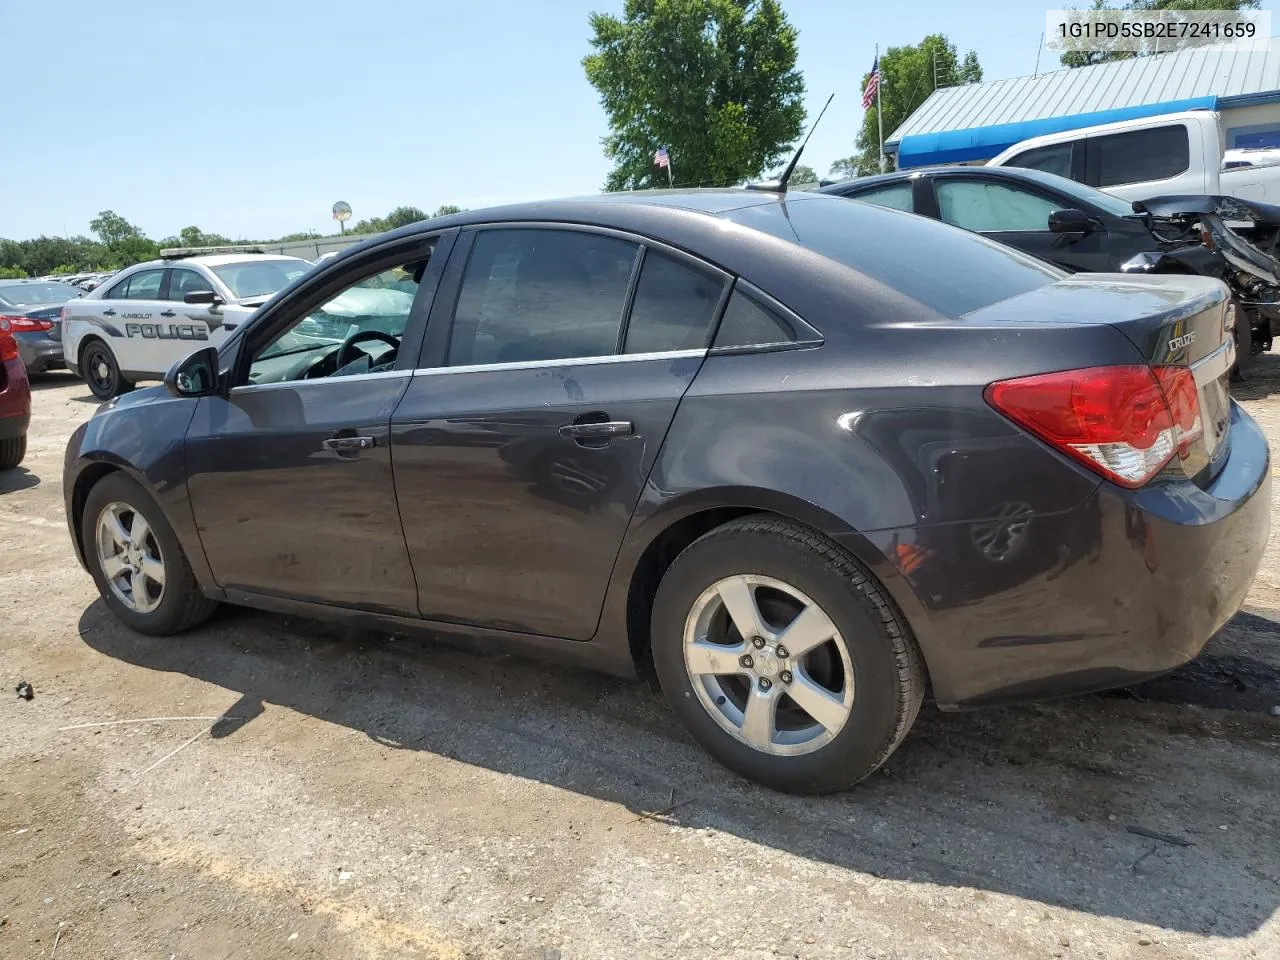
<point x="134" y="311"/>
<point x="1017" y="214"/>
<point x="552" y="369"/>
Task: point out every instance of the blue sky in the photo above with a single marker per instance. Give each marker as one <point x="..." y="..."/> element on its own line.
<point x="251" y="118"/>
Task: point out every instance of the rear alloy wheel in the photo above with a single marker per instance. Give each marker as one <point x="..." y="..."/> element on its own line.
<point x="12" y="451"/>
<point x="101" y="372"/>
<point x="783" y="657"/>
<point x="136" y="560"/>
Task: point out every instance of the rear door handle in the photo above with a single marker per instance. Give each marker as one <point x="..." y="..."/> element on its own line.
<point x="108" y="312"/>
<point x="168" y="313"/>
<point x="598" y="431"/>
<point x="345" y="444"/>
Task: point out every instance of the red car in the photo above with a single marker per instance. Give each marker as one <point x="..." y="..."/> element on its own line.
<point x="15" y="401"/>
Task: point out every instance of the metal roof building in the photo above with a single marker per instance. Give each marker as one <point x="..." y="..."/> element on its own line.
<point x="979" y="120"/>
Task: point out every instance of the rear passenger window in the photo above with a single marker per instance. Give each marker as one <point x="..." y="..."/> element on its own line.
<point x="143" y="285"/>
<point x="1155" y="154"/>
<point x="540" y="295"/>
<point x="895" y="197"/>
<point x="748" y="324"/>
<point x="674" y="306"/>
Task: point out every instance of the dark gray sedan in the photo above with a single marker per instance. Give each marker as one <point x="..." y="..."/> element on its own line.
<point x="34" y="311"/>
<point x="799" y="459"/>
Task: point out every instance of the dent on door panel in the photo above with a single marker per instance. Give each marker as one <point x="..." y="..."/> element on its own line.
<point x="510" y="524"/>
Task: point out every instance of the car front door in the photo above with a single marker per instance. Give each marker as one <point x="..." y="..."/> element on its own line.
<point x="1018" y="215"/>
<point x="549" y="380"/>
<point x="289" y="475"/>
<point x="193" y="321"/>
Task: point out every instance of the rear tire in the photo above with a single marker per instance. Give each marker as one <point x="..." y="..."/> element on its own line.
<point x="150" y="587"/>
<point x="869" y="670"/>
<point x="101" y="372"/>
<point x="12" y="451"/>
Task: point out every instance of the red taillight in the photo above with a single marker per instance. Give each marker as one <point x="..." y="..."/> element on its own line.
<point x="24" y="324"/>
<point x="8" y="346"/>
<point x="1125" y="422"/>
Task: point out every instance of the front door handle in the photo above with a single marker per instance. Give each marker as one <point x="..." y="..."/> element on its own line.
<point x="597" y="430"/>
<point x="168" y="313"/>
<point x="347" y="444"/>
<point x="108" y="312"/>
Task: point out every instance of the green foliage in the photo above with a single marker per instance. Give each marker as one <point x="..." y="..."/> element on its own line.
<point x="908" y="75"/>
<point x="1087" y="58"/>
<point x="713" y="81"/>
<point x="120" y="244"/>
<point x="12" y="273"/>
<point x="445" y="209"/>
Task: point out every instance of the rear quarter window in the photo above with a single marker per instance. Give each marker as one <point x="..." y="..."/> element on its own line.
<point x="945" y="268"/>
<point x="1140" y="155"/>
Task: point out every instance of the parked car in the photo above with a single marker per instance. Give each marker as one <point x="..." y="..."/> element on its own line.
<point x="33" y="309"/>
<point x="15" y="400"/>
<point x="149" y="315"/>
<point x="1077" y="228"/>
<point x="1168" y="155"/>
<point x="798" y="458"/>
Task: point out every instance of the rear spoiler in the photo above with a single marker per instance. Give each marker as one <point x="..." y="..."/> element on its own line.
<point x="1229" y="208"/>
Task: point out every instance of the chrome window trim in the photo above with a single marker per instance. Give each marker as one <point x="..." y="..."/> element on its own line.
<point x="278" y="384"/>
<point x="567" y="362"/>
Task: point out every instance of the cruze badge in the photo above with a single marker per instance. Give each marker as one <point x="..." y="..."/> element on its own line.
<point x="1177" y="343"/>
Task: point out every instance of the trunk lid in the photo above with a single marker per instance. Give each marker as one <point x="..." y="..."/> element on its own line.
<point x="1182" y="321"/>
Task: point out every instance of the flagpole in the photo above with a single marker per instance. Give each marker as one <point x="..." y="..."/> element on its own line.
<point x="880" y="109"/>
<point x="669" y="168"/>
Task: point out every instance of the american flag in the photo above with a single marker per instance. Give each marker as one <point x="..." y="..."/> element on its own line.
<point x="873" y="85"/>
<point x="660" y="157"/>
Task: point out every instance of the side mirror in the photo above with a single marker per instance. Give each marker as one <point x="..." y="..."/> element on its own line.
<point x="194" y="376"/>
<point x="1071" y="221"/>
<point x="201" y="296"/>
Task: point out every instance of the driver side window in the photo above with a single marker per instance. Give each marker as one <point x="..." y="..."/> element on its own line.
<point x="357" y="331"/>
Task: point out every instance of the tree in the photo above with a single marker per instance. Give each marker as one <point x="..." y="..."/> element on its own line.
<point x="403" y="216"/>
<point x="446" y="209"/>
<point x="801" y="174"/>
<point x="112" y="228"/>
<point x="1087" y="58"/>
<point x="12" y="273"/>
<point x="713" y="81"/>
<point x="908" y="76"/>
<point x="125" y="244"/>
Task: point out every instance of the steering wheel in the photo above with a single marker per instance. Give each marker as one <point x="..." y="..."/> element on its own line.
<point x="348" y="345"/>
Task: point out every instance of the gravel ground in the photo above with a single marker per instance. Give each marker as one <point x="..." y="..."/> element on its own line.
<point x="369" y="797"/>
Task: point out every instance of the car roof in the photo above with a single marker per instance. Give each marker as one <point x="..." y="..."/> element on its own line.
<point x="213" y="260"/>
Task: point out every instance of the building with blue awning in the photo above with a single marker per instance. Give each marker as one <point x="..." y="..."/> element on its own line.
<point x="973" y="123"/>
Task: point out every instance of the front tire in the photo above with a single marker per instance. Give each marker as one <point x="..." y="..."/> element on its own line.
<point x="783" y="656"/>
<point x="12" y="451"/>
<point x="101" y="372"/>
<point x="137" y="562"/>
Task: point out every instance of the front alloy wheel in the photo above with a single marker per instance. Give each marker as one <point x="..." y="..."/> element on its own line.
<point x="136" y="560"/>
<point x="130" y="558"/>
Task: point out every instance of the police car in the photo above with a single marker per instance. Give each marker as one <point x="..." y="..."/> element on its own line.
<point x="145" y="317"/>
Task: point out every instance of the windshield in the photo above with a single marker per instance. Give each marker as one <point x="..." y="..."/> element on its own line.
<point x="37" y="294"/>
<point x="260" y="278"/>
<point x="1108" y="203"/>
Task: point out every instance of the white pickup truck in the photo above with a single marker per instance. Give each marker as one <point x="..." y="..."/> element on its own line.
<point x="1178" y="153"/>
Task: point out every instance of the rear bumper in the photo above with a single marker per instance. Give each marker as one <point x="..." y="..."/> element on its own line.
<point x="39" y="352"/>
<point x="1127" y="585"/>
